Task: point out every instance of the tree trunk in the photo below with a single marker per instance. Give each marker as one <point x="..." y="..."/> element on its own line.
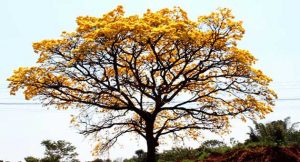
<point x="152" y="143"/>
<point x="151" y="153"/>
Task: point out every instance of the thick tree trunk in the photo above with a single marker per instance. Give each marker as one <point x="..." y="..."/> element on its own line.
<point x="151" y="154"/>
<point x="152" y="143"/>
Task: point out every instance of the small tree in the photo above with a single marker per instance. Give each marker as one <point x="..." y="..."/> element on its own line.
<point x="31" y="159"/>
<point x="156" y="75"/>
<point x="212" y="144"/>
<point x="141" y="155"/>
<point x="100" y="160"/>
<point x="56" y="151"/>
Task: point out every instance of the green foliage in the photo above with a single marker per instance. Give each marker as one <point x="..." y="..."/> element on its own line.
<point x="98" y="160"/>
<point x="129" y="160"/>
<point x="279" y="133"/>
<point x="159" y="160"/>
<point x="185" y="160"/>
<point x="56" y="151"/>
<point x="179" y="154"/>
<point x="101" y="160"/>
<point x="212" y="147"/>
<point x="139" y="153"/>
<point x="257" y="144"/>
<point x="31" y="159"/>
<point x="203" y="155"/>
<point x="294" y="138"/>
<point x="140" y="156"/>
<point x="212" y="144"/>
<point x="189" y="154"/>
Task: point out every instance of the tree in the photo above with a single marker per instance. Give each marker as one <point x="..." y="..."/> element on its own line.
<point x="139" y="153"/>
<point x="155" y="75"/>
<point x="178" y="154"/>
<point x="56" y="151"/>
<point x="31" y="159"/>
<point x="100" y="160"/>
<point x="212" y="144"/>
<point x="280" y="132"/>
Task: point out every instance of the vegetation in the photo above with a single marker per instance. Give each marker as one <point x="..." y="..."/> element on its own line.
<point x="263" y="140"/>
<point x="272" y="142"/>
<point x="31" y="159"/>
<point x="125" y="73"/>
<point x="140" y="157"/>
<point x="178" y="154"/>
<point x="279" y="133"/>
<point x="56" y="151"/>
<point x="100" y="160"/>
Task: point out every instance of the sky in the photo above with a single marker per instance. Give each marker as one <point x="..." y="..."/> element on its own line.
<point x="272" y="35"/>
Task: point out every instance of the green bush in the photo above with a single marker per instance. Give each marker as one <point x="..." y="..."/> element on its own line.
<point x="185" y="160"/>
<point x="203" y="155"/>
<point x="178" y="154"/>
<point x="31" y="159"/>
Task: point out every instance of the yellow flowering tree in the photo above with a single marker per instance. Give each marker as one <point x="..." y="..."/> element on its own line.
<point x="153" y="75"/>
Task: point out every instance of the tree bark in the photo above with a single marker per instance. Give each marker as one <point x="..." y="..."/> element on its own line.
<point x="152" y="143"/>
<point x="151" y="152"/>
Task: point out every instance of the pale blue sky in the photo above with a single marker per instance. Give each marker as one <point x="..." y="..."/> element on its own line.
<point x="272" y="35"/>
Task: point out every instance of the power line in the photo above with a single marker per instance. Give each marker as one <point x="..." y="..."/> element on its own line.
<point x="288" y="99"/>
<point x="19" y="103"/>
<point x="35" y="103"/>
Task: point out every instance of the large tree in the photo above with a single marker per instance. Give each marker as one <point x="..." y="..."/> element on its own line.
<point x="152" y="75"/>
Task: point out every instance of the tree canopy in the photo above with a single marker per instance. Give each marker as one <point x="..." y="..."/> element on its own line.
<point x="152" y="75"/>
<point x="59" y="151"/>
<point x="56" y="151"/>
